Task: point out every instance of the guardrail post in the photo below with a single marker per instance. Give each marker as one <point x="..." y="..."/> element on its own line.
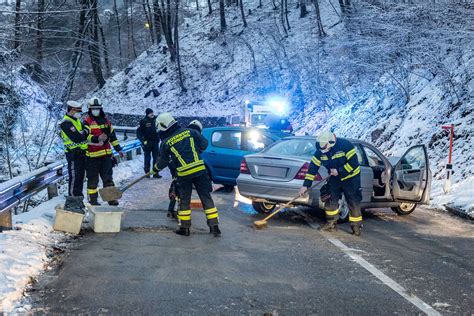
<point x="52" y="190"/>
<point x="6" y="222"/>
<point x="129" y="155"/>
<point x="139" y="151"/>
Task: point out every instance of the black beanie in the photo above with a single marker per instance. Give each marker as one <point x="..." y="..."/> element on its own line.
<point x="148" y="111"/>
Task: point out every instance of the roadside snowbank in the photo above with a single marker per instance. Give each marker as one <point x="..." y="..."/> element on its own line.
<point x="23" y="253"/>
<point x="461" y="196"/>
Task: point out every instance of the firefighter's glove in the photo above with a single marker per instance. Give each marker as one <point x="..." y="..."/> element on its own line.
<point x="102" y="137"/>
<point x="334" y="172"/>
<point x="303" y="191"/>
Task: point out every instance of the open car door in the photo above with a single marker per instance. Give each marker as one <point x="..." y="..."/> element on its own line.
<point x="411" y="178"/>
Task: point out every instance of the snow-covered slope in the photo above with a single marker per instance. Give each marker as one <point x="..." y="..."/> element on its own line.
<point x="364" y="101"/>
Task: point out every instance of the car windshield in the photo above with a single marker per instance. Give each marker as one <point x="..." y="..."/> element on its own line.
<point x="258" y="119"/>
<point x="292" y="147"/>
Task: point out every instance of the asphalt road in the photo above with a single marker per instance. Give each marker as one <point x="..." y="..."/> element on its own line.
<point x="422" y="263"/>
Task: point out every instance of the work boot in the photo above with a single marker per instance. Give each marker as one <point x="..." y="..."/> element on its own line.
<point x="94" y="202"/>
<point x="148" y="176"/>
<point x="172" y="214"/>
<point x="183" y="231"/>
<point x="215" y="230"/>
<point x="328" y="227"/>
<point x="356" y="230"/>
<point x="113" y="203"/>
<point x="157" y="176"/>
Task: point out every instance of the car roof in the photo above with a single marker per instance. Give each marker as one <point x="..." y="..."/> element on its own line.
<point x="313" y="138"/>
<point x="245" y="128"/>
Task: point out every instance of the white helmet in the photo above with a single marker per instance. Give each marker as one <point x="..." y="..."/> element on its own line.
<point x="197" y="124"/>
<point x="75" y="105"/>
<point x="94" y="103"/>
<point x="164" y="121"/>
<point x="326" y="140"/>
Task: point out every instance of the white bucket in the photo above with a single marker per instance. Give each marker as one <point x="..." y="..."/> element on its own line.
<point x="67" y="221"/>
<point x="105" y="219"/>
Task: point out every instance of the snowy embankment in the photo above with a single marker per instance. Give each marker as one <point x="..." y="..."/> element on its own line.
<point x="24" y="251"/>
<point x="383" y="118"/>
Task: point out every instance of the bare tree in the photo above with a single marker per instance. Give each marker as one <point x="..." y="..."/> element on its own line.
<point x="209" y="5"/>
<point x="318" y="19"/>
<point x="176" y="41"/>
<point x="16" y="43"/>
<point x="222" y="15"/>
<point x="94" y="50"/>
<point x="303" y="9"/>
<point x="241" y="2"/>
<point x="39" y="37"/>
<point x="119" y="37"/>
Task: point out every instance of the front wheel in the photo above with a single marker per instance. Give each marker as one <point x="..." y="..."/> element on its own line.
<point x="404" y="208"/>
<point x="263" y="207"/>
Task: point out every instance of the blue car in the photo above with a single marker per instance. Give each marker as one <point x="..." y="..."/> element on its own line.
<point x="228" y="145"/>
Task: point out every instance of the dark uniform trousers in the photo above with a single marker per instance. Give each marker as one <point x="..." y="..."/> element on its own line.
<point x="100" y="166"/>
<point x="351" y="189"/>
<point x="76" y="167"/>
<point x="150" y="150"/>
<point x="201" y="182"/>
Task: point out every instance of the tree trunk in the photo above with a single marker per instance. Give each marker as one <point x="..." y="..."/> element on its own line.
<point x="241" y="2"/>
<point x="132" y="31"/>
<point x="117" y="21"/>
<point x="104" y="47"/>
<point x="222" y="15"/>
<point x="77" y="53"/>
<point x="16" y="43"/>
<point x="303" y="9"/>
<point x="94" y="50"/>
<point x="167" y="28"/>
<point x="149" y="21"/>
<point x="157" y="18"/>
<point x="318" y="19"/>
<point x="176" y="42"/>
<point x="39" y="37"/>
<point x="286" y="14"/>
<point x="209" y="5"/>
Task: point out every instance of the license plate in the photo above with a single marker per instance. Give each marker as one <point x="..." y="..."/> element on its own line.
<point x="276" y="172"/>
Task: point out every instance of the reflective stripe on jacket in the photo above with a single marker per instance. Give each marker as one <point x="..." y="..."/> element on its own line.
<point x="184" y="148"/>
<point x="76" y="127"/>
<point x="342" y="157"/>
<point x="97" y="149"/>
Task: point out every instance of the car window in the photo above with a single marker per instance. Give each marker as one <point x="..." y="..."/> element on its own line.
<point x="293" y="147"/>
<point x="227" y="139"/>
<point x="373" y="159"/>
<point x="414" y="159"/>
<point x="255" y="141"/>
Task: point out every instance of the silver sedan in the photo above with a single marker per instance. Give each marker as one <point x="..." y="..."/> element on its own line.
<point x="276" y="174"/>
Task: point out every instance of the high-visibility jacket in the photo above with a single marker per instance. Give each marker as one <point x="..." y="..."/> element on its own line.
<point x="342" y="157"/>
<point x="72" y="134"/>
<point x="97" y="126"/>
<point x="183" y="146"/>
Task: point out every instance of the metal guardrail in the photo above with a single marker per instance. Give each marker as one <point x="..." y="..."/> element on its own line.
<point x="21" y="188"/>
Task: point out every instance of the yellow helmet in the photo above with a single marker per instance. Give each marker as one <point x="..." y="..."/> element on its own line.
<point x="164" y="121"/>
<point x="326" y="140"/>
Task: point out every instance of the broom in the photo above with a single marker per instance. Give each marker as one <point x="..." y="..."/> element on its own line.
<point x="263" y="223"/>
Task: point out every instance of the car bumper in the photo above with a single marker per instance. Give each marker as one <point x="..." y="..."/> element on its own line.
<point x="273" y="191"/>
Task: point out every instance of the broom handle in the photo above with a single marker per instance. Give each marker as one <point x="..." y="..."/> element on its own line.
<point x="294" y="199"/>
<point x="128" y="186"/>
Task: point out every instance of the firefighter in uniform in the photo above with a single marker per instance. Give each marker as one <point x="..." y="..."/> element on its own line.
<point x="184" y="146"/>
<point x="74" y="136"/>
<point x="339" y="157"/>
<point x="100" y="160"/>
<point x="174" y="187"/>
<point x="148" y="136"/>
